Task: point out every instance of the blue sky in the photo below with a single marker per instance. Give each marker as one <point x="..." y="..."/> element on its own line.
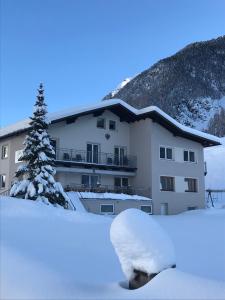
<point x="82" y="49"/>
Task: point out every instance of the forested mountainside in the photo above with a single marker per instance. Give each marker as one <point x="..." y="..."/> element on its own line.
<point x="189" y="86"/>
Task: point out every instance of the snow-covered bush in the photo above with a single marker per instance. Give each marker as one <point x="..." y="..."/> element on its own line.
<point x="35" y="178"/>
<point x="140" y="243"/>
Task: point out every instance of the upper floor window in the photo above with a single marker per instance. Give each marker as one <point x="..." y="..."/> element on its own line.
<point x="5" y="151"/>
<point x="166" y="153"/>
<point x="189" y="155"/>
<point x="2" y="181"/>
<point x="18" y="155"/>
<point x="167" y="183"/>
<point x="101" y="123"/>
<point x="112" y="125"/>
<point x="191" y="185"/>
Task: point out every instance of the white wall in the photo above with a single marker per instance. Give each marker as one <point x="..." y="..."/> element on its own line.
<point x="83" y="130"/>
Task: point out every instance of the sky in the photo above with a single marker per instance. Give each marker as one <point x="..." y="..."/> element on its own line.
<point x="82" y="49"/>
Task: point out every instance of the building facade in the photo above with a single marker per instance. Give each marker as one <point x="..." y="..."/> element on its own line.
<point x="115" y="148"/>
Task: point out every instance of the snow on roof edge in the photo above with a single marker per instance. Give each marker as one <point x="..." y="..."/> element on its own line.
<point x="179" y="125"/>
<point x="22" y="125"/>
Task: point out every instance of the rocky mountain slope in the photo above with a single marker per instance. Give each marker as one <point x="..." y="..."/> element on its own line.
<point x="189" y="86"/>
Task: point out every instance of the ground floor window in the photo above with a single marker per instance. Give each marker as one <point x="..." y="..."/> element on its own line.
<point x="90" y="180"/>
<point x="192" y="208"/>
<point x="167" y="183"/>
<point x="147" y="209"/>
<point x="2" y="181"/>
<point x="107" y="208"/>
<point x="121" y="182"/>
<point x="191" y="185"/>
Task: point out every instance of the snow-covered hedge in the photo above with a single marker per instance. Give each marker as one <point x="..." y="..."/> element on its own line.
<point x="141" y="243"/>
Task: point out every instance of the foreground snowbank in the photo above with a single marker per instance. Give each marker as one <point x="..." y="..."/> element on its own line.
<point x="141" y="243"/>
<point x="51" y="253"/>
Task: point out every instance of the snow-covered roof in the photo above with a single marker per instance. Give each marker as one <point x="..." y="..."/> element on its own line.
<point x="125" y="108"/>
<point x="111" y="196"/>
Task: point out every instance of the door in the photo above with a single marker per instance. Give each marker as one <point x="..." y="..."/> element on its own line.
<point x="164" y="208"/>
<point x="119" y="155"/>
<point x="92" y="153"/>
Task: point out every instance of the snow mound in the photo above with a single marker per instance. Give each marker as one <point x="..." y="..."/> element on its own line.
<point x="141" y="243"/>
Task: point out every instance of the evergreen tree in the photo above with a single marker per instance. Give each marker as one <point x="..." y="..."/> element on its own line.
<point x="35" y="178"/>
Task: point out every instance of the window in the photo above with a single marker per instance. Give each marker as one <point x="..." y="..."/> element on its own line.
<point x="147" y="209"/>
<point x="107" y="208"/>
<point x="101" y="123"/>
<point x="120" y="157"/>
<point x="18" y="155"/>
<point x="162" y="152"/>
<point x="167" y="183"/>
<point x="90" y="180"/>
<point x="2" y="181"/>
<point x="186" y="155"/>
<point x="192" y="208"/>
<point x="93" y="153"/>
<point x="5" y="150"/>
<point x="121" y="182"/>
<point x="166" y="153"/>
<point x="191" y="184"/>
<point x="189" y="156"/>
<point x="112" y="125"/>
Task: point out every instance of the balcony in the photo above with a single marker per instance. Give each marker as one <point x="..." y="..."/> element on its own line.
<point x="73" y="157"/>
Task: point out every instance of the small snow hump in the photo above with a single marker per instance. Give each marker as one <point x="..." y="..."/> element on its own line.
<point x="143" y="247"/>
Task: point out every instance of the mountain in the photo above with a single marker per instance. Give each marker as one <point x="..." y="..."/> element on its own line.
<point x="189" y="86"/>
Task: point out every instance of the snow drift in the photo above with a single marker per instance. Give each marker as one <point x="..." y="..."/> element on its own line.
<point x="52" y="253"/>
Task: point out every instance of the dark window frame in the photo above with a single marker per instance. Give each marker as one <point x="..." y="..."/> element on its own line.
<point x="169" y="182"/>
<point x="5" y="154"/>
<point x="189" y="156"/>
<point x="2" y="182"/>
<point x="107" y="212"/>
<point x="121" y="178"/>
<point x="110" y="123"/>
<point x="192" y="185"/>
<point x="149" y="205"/>
<point x="89" y="184"/>
<point x="164" y="150"/>
<point x="100" y="120"/>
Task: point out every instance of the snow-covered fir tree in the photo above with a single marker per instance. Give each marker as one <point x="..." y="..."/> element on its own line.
<point x="35" y="178"/>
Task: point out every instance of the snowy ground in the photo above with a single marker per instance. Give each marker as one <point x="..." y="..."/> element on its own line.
<point x="50" y="253"/>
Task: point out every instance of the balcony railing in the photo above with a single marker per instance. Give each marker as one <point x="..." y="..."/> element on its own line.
<point x="97" y="158"/>
<point x="108" y="189"/>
